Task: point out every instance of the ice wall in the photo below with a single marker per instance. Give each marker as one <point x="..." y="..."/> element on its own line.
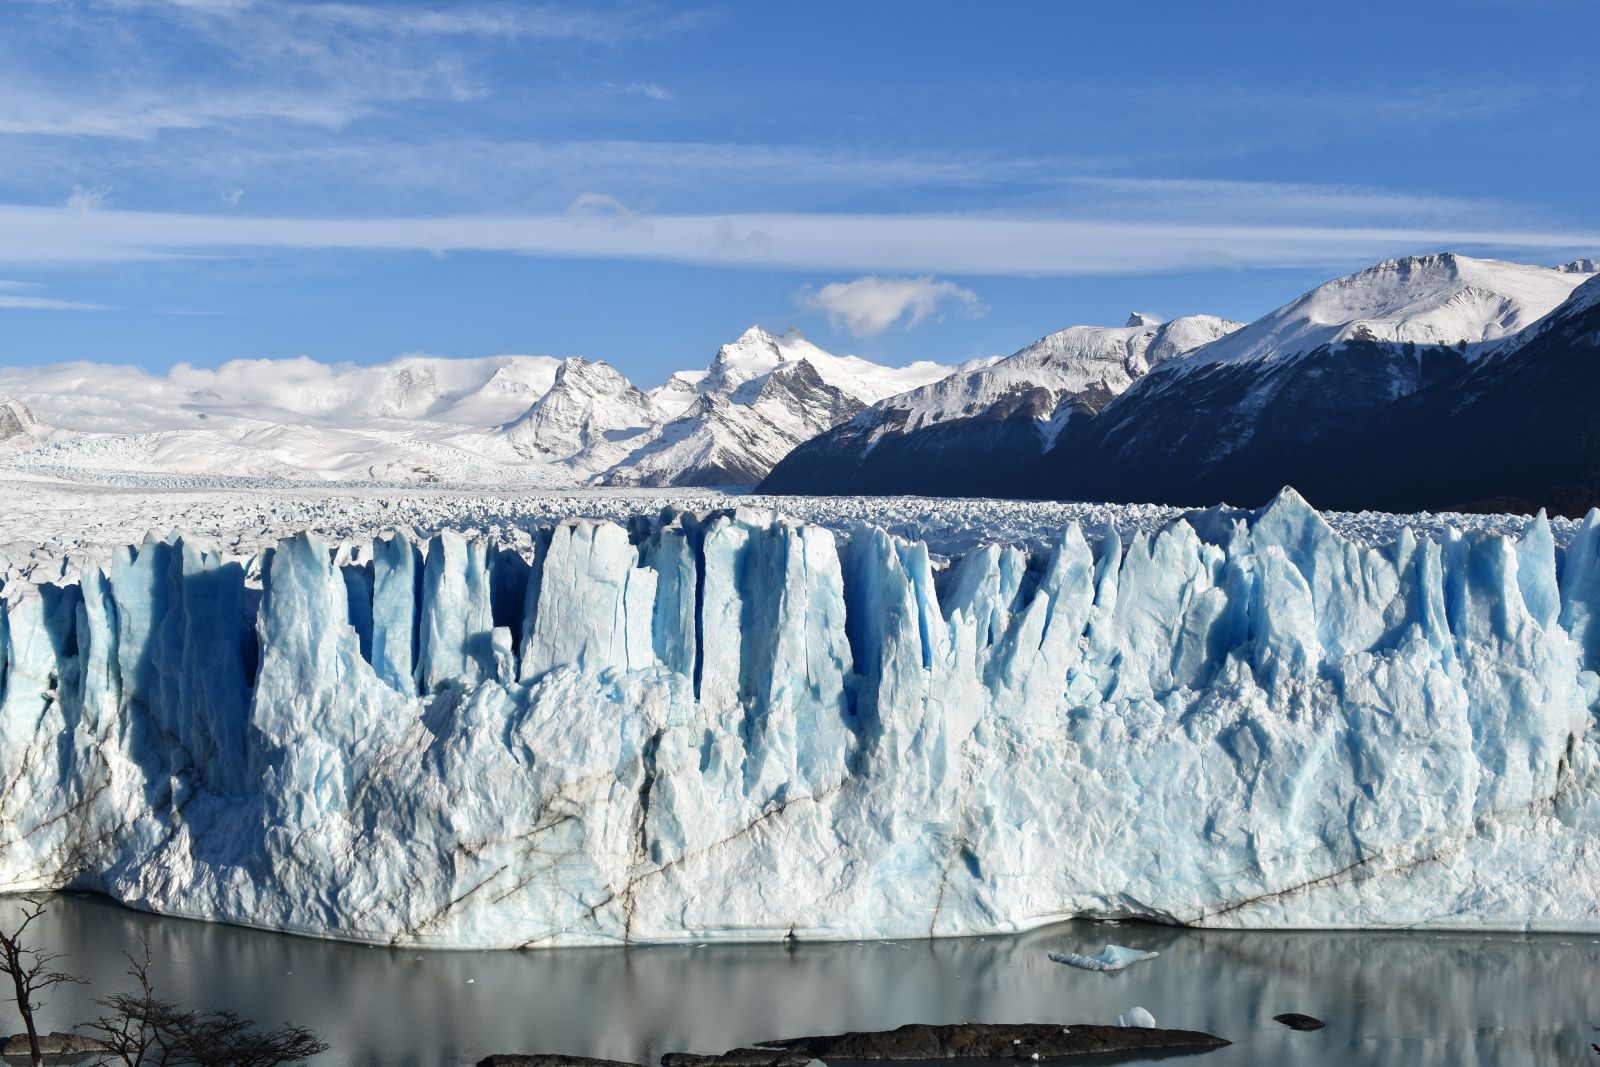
<point x="739" y="727"/>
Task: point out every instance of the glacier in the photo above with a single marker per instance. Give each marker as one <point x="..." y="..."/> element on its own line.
<point x="733" y="725"/>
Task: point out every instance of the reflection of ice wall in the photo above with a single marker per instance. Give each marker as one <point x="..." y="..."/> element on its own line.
<point x="739" y="727"/>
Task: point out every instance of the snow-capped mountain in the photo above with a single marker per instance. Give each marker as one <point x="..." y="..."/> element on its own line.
<point x="675" y="396"/>
<point x="1188" y="411"/>
<point x="101" y="398"/>
<point x="589" y="415"/>
<point x="1225" y="422"/>
<point x="761" y="396"/>
<point x="1016" y="405"/>
<point x="19" y="427"/>
<point x="518" y="420"/>
<point x="418" y="418"/>
<point x="758" y="353"/>
<point x="1233" y="421"/>
<point x="1438" y="301"/>
<point x="1080" y="368"/>
<point x="734" y="438"/>
<point x="1517" y="430"/>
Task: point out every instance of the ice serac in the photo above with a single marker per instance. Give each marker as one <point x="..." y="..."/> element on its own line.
<point x="737" y="726"/>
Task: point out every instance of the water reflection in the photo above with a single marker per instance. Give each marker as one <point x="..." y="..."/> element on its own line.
<point x="1388" y="998"/>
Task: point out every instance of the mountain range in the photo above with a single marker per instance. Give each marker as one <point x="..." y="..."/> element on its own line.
<point x="943" y="438"/>
<point x="1239" y="416"/>
<point x="725" y="426"/>
<point x="1365" y="392"/>
<point x="528" y="421"/>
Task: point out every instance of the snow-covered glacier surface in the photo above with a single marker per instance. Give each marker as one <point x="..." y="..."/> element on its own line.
<point x="737" y="726"/>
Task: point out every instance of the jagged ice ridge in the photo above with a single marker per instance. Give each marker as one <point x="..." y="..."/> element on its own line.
<point x="736" y="726"/>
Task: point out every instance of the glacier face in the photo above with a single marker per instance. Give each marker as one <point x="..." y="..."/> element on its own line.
<point x="736" y="726"/>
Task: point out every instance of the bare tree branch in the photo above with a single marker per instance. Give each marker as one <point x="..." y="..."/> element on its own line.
<point x="30" y="971"/>
<point x="142" y="1030"/>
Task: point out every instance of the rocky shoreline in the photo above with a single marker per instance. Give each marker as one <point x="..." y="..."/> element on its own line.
<point x="917" y="1042"/>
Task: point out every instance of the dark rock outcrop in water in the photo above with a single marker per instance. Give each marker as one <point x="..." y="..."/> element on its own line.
<point x="919" y="1041"/>
<point x="739" y="1057"/>
<point x="1295" y="1021"/>
<point x="1021" y="1041"/>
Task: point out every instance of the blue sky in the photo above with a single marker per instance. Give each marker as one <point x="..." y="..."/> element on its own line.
<point x="209" y="179"/>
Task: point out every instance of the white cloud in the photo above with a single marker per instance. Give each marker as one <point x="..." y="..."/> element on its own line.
<point x="649" y="90"/>
<point x="890" y="244"/>
<point x="84" y="200"/>
<point x="602" y="210"/>
<point x="871" y="305"/>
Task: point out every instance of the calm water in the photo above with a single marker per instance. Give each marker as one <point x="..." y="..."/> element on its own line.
<point x="1388" y="998"/>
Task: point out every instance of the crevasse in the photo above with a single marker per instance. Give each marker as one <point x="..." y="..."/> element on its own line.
<point x="735" y="726"/>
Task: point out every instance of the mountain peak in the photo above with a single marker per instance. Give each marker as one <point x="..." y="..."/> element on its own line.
<point x="19" y="427"/>
<point x="590" y="376"/>
<point x="1440" y="299"/>
<point x="575" y="365"/>
<point x="1431" y="264"/>
<point x="755" y="335"/>
<point x="1580" y="266"/>
<point x="754" y="353"/>
<point x="1140" y="319"/>
<point x="589" y="405"/>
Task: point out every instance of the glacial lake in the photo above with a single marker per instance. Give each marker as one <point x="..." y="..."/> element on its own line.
<point x="1403" y="998"/>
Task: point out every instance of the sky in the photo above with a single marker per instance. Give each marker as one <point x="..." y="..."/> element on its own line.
<point x="203" y="180"/>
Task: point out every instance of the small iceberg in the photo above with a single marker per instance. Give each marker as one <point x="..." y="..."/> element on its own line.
<point x="1114" y="958"/>
<point x="1137" y="1017"/>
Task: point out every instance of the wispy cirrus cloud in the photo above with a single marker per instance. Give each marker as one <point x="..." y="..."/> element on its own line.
<point x="902" y="244"/>
<point x="19" y="296"/>
<point x="141" y="116"/>
<point x="125" y="69"/>
<point x="1313" y="203"/>
<point x="870" y="305"/>
<point x="482" y="174"/>
<point x="486" y="176"/>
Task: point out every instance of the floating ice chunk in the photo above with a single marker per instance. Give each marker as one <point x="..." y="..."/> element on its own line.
<point x="1137" y="1017"/>
<point x="1114" y="958"/>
